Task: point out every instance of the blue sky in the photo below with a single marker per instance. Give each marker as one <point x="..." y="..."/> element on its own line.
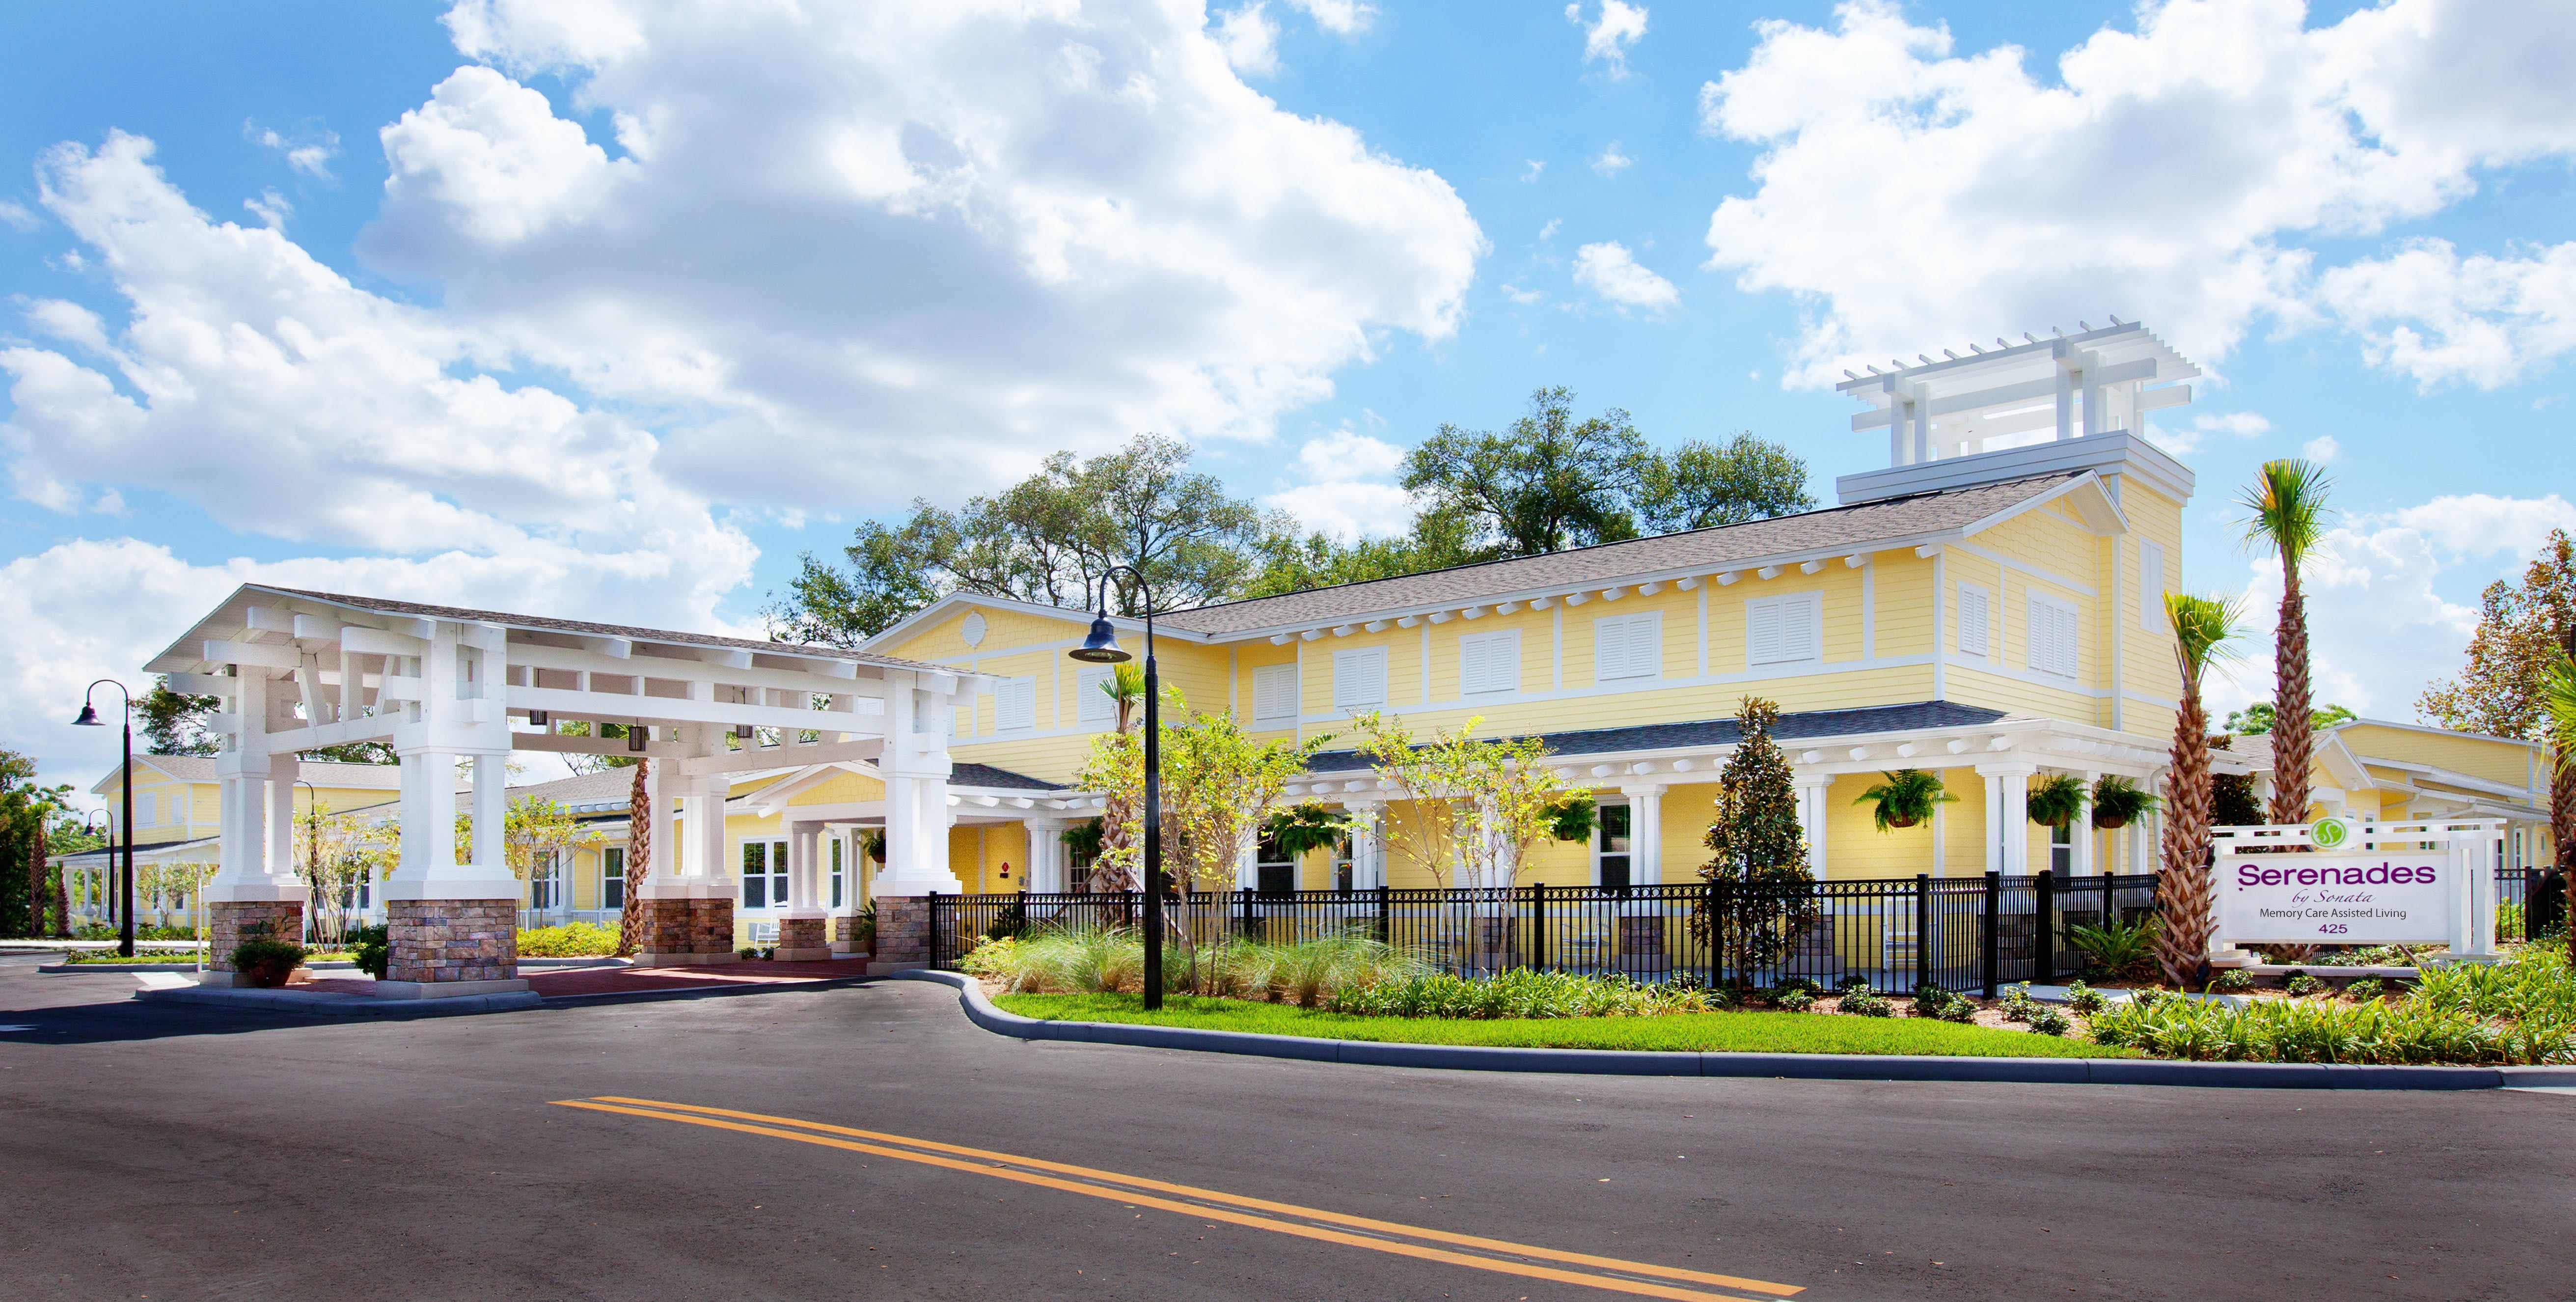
<point x="632" y="304"/>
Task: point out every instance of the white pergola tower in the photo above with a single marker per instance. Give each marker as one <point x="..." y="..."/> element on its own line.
<point x="453" y="692"/>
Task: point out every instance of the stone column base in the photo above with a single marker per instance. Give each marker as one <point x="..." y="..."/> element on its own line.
<point x="443" y="942"/>
<point x="845" y="930"/>
<point x="800" y="940"/>
<point x="685" y="932"/>
<point x="903" y="930"/>
<point x="227" y="921"/>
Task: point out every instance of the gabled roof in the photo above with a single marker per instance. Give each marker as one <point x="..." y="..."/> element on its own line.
<point x="184" y="654"/>
<point x="1834" y="531"/>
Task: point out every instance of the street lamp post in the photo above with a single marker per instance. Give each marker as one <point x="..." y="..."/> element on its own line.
<point x="125" y="792"/>
<point x="1101" y="647"/>
<point x="96" y="825"/>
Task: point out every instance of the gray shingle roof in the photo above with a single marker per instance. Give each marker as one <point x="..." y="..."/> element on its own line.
<point x="985" y="775"/>
<point x="1830" y="531"/>
<point x="1807" y="725"/>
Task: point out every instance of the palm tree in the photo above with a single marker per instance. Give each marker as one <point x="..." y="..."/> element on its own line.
<point x="639" y="860"/>
<point x="2558" y="701"/>
<point x="2288" y="518"/>
<point x="1125" y="687"/>
<point x="2202" y="627"/>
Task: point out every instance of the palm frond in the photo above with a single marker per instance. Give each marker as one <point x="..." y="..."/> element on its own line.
<point x="2558" y="704"/>
<point x="2286" y="509"/>
<point x="2203" y="629"/>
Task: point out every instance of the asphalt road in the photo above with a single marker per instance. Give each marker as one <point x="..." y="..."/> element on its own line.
<point x="187" y="1153"/>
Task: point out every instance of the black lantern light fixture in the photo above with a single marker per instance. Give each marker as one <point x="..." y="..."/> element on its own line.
<point x="637" y="737"/>
<point x="125" y="792"/>
<point x="1101" y="648"/>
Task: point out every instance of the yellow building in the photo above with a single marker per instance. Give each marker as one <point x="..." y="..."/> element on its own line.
<point x="176" y="809"/>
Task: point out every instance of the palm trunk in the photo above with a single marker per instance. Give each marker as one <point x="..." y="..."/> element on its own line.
<point x="62" y="905"/>
<point x="2293" y="712"/>
<point x="639" y="861"/>
<point x="2562" y="835"/>
<point x="2183" y="887"/>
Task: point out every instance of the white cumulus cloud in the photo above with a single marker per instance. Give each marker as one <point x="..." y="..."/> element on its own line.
<point x="1250" y="39"/>
<point x="1347" y="490"/>
<point x="1608" y="269"/>
<point x="1911" y="191"/>
<point x="2440" y="317"/>
<point x="1615" y="26"/>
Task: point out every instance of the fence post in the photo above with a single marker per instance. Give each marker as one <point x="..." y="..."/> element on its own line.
<point x="1922" y="930"/>
<point x="2043" y="939"/>
<point x="933" y="910"/>
<point x="1538" y="926"/>
<point x="1992" y="931"/>
<point x="2110" y="901"/>
<point x="1719" y="892"/>
<point x="1385" y="923"/>
<point x="1243" y="925"/>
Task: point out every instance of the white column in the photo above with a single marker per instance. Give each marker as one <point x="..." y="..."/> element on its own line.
<point x="1994" y="820"/>
<point x="2007" y="817"/>
<point x="1046" y="854"/>
<point x="916" y="766"/>
<point x="1813" y="810"/>
<point x="1645" y="833"/>
<point x="2082" y="830"/>
<point x="1368" y="854"/>
<point x="707" y="827"/>
<point x="491" y="814"/>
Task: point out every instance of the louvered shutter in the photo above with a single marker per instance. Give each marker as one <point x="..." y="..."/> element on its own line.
<point x="1798" y="632"/>
<point x="1094" y="705"/>
<point x="1762" y="632"/>
<point x="1973" y="621"/>
<point x="1359" y="678"/>
<point x="1475" y="665"/>
<point x="1015" y="705"/>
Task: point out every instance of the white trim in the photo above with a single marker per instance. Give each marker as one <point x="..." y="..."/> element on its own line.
<point x="1703" y="630"/>
<point x="1868" y="609"/>
<point x="2007" y="562"/>
<point x="2031" y="677"/>
<point x="2151" y="587"/>
<point x="1556" y="637"/>
<point x="1623" y="686"/>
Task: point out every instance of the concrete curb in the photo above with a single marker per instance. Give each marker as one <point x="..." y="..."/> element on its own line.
<point x="342" y="1005"/>
<point x="1790" y="1066"/>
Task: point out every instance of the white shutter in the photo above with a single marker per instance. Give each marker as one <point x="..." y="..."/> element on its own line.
<point x="2052" y="637"/>
<point x="1095" y="707"/>
<point x="1762" y="632"/>
<point x="1799" y="631"/>
<point x="1359" y="678"/>
<point x="1274" y="692"/>
<point x="1974" y="621"/>
<point x="1626" y="647"/>
<point x="2151" y="587"/>
<point x="1015" y="705"/>
<point x="1489" y="662"/>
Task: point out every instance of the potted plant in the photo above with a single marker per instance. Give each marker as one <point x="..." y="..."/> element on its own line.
<point x="2117" y="802"/>
<point x="1574" y="817"/>
<point x="1906" y="798"/>
<point x="872" y="844"/>
<point x="2056" y="800"/>
<point x="1301" y="830"/>
<point x="263" y="960"/>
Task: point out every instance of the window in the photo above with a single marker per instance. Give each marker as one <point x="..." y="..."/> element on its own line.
<point x="1096" y="706"/>
<point x="1628" y="646"/>
<point x="1784" y="630"/>
<point x="1359" y="678"/>
<point x="147" y="808"/>
<point x="545" y="884"/>
<point x="1274" y="693"/>
<point x="2051" y="636"/>
<point x="1078" y="858"/>
<point x="2061" y="850"/>
<point x="612" y="878"/>
<point x="1489" y="662"/>
<point x="1976" y="621"/>
<point x="2151" y="586"/>
<point x="1343" y="877"/>
<point x="836" y="872"/>
<point x="1610" y="848"/>
<point x="1015" y="705"/>
<point x="1274" y="873"/>
<point x="764" y="874"/>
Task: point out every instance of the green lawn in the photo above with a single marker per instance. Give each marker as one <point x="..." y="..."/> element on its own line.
<point x="1730" y="1032"/>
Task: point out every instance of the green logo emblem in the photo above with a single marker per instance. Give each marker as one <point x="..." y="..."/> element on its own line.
<point x="2329" y="832"/>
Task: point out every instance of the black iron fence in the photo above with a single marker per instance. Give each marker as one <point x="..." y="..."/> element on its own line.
<point x="1961" y="933"/>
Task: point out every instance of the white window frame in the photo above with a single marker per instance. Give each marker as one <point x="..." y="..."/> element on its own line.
<point x="1984" y="647"/>
<point x="1276" y="687"/>
<point x="2037" y="654"/>
<point x="2151" y="586"/>
<point x="147" y="809"/>
<point x="1353" y="672"/>
<point x="1015" y="704"/>
<point x="546" y="877"/>
<point x="1601" y="838"/>
<point x="773" y="881"/>
<point x="1505" y="645"/>
<point x="1623" y="670"/>
<point x="1092" y="707"/>
<point x="612" y="867"/>
<point x="1806" y="606"/>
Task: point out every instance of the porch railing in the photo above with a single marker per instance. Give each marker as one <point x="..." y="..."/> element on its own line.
<point x="1961" y="933"/>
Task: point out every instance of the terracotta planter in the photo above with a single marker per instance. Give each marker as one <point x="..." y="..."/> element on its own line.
<point x="2109" y="823"/>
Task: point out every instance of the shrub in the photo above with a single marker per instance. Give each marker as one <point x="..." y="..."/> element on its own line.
<point x="1948" y="1006"/>
<point x="2016" y="1002"/>
<point x="1861" y="1001"/>
<point x="748" y="952"/>
<point x="1793" y="1000"/>
<point x="2118" y="948"/>
<point x="372" y="949"/>
<point x="263" y="960"/>
<point x="2521" y="1011"/>
<point x="2300" y="983"/>
<point x="2045" y="1020"/>
<point x="571" y="940"/>
<point x="2233" y="980"/>
<point x="1517" y="993"/>
<point x="2365" y="989"/>
<point x="2084" y="999"/>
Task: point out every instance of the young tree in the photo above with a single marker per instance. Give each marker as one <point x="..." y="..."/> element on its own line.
<point x="1120" y="864"/>
<point x="1475" y="807"/>
<point x="2288" y="516"/>
<point x="2523" y="630"/>
<point x="2202" y="629"/>
<point x="1760" y="858"/>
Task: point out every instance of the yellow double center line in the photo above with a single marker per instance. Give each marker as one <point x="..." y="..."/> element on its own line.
<point x="1501" y="1255"/>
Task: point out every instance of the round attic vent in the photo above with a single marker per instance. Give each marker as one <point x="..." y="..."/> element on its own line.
<point x="973" y="629"/>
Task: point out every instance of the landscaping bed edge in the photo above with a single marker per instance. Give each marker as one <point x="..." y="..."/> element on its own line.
<point x="1798" y="1066"/>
